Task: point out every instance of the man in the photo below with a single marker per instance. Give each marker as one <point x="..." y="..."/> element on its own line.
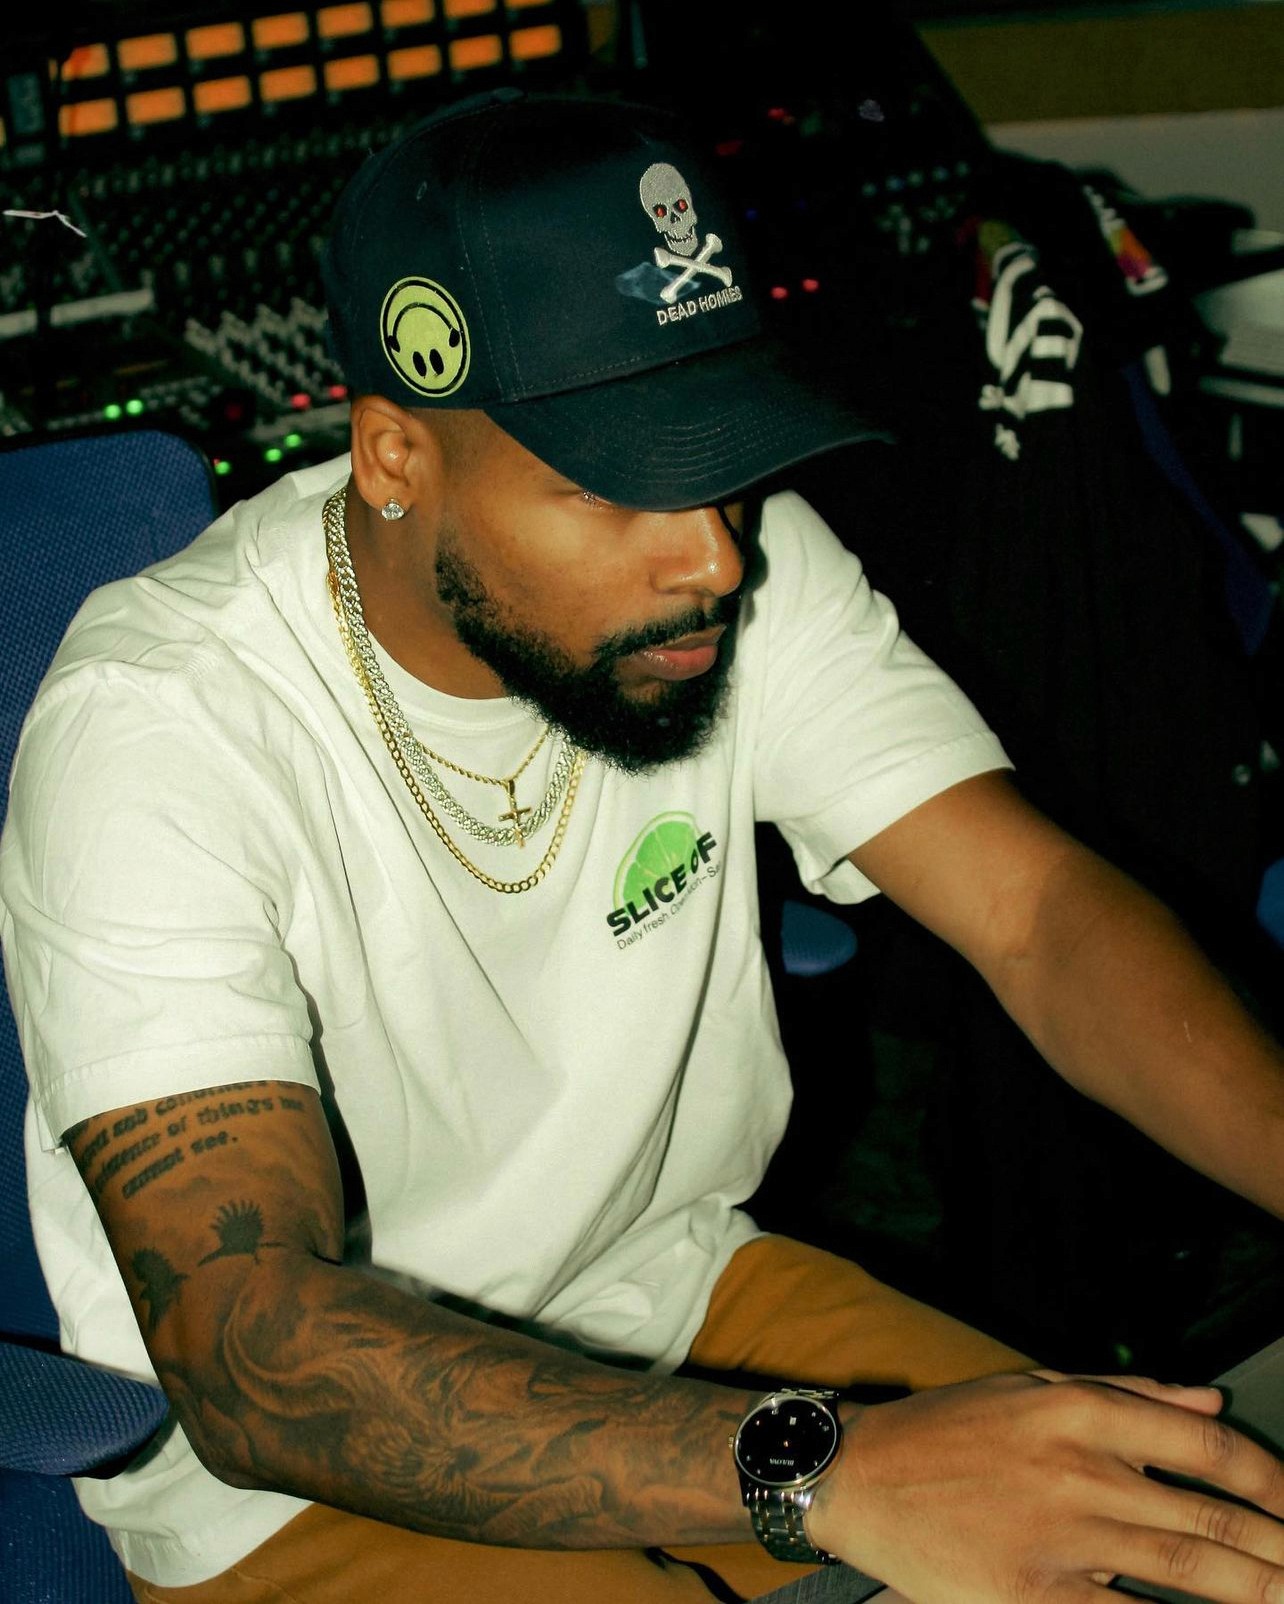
<point x="380" y="915"/>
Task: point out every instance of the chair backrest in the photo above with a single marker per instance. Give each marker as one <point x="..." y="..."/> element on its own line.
<point x="75" y="513"/>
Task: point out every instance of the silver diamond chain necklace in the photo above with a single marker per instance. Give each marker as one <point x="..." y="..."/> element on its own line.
<point x="413" y="750"/>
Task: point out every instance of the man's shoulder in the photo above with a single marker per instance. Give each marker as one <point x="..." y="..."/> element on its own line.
<point x="211" y="600"/>
<point x="797" y="541"/>
<point x="192" y="651"/>
<point x="800" y="575"/>
<point x="787" y="514"/>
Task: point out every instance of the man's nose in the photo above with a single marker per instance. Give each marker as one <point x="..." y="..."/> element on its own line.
<point x="699" y="551"/>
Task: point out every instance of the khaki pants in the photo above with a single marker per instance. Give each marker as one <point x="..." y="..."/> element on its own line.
<point x="779" y="1309"/>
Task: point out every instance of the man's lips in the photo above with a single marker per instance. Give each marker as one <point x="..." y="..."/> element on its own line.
<point x="683" y="658"/>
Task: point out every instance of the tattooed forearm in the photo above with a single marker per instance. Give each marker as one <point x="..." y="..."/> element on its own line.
<point x="294" y="1372"/>
<point x="341" y="1388"/>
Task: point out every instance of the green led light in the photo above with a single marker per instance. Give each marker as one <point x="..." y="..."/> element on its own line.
<point x="134" y="407"/>
<point x="112" y="411"/>
<point x="272" y="454"/>
<point x="222" y="468"/>
<point x="292" y="440"/>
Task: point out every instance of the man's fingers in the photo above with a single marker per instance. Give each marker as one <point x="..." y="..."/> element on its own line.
<point x="1208" y="1450"/>
<point x="1167" y="1430"/>
<point x="1199" y="1515"/>
<point x="1200" y="1400"/>
<point x="1195" y="1565"/>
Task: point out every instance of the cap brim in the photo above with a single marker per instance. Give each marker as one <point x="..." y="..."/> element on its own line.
<point x="689" y="434"/>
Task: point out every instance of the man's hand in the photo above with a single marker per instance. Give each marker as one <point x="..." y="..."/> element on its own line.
<point x="1032" y="1488"/>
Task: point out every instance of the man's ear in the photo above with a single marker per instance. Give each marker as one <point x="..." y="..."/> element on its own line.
<point x="395" y="455"/>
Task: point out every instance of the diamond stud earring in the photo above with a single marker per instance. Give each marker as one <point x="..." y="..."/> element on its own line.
<point x="392" y="510"/>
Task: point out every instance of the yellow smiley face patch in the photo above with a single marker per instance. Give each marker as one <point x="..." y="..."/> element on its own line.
<point x="424" y="336"/>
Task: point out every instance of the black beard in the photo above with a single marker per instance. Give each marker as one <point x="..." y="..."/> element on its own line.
<point x="589" y="704"/>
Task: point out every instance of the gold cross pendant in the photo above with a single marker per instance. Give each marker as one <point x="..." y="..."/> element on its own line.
<point x="514" y="812"/>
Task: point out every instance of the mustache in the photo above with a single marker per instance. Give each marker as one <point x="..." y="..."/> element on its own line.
<point x="626" y="642"/>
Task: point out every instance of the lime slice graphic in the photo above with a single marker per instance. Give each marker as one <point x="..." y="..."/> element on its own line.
<point x="669" y="840"/>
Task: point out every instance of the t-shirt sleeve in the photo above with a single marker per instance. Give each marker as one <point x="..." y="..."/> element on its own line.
<point x="856" y="726"/>
<point x="141" y="914"/>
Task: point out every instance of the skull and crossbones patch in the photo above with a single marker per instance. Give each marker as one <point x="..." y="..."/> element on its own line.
<point x="681" y="267"/>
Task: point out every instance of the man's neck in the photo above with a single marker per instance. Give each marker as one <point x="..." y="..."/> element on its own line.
<point x="404" y="616"/>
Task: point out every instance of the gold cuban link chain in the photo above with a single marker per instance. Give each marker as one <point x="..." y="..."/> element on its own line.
<point x="420" y="757"/>
<point x="404" y="769"/>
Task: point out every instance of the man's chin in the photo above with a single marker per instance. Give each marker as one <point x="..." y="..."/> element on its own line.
<point x="633" y="723"/>
<point x="645" y="727"/>
<point x="649" y="694"/>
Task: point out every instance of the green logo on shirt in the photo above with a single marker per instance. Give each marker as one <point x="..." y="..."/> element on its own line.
<point x="664" y="861"/>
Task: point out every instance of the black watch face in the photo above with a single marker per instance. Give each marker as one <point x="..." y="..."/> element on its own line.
<point x="785" y="1443"/>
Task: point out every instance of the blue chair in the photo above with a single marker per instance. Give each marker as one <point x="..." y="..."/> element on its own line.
<point x="75" y="513"/>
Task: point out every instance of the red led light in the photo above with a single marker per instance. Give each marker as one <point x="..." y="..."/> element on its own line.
<point x="779" y="292"/>
<point x="300" y="402"/>
<point x="811" y="285"/>
<point x="337" y="392"/>
<point x="729" y="147"/>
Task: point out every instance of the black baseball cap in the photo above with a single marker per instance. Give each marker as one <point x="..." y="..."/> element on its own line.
<point x="571" y="266"/>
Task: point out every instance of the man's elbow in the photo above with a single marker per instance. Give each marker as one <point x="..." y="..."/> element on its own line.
<point x="233" y="1374"/>
<point x="219" y="1443"/>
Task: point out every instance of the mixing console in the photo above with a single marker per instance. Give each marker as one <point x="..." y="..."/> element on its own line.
<point x="164" y="210"/>
<point x="159" y="258"/>
<point x="193" y="298"/>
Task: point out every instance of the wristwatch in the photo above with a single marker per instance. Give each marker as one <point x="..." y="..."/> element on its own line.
<point x="785" y="1447"/>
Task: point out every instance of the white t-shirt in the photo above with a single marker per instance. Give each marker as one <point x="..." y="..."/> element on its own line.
<point x="212" y="872"/>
